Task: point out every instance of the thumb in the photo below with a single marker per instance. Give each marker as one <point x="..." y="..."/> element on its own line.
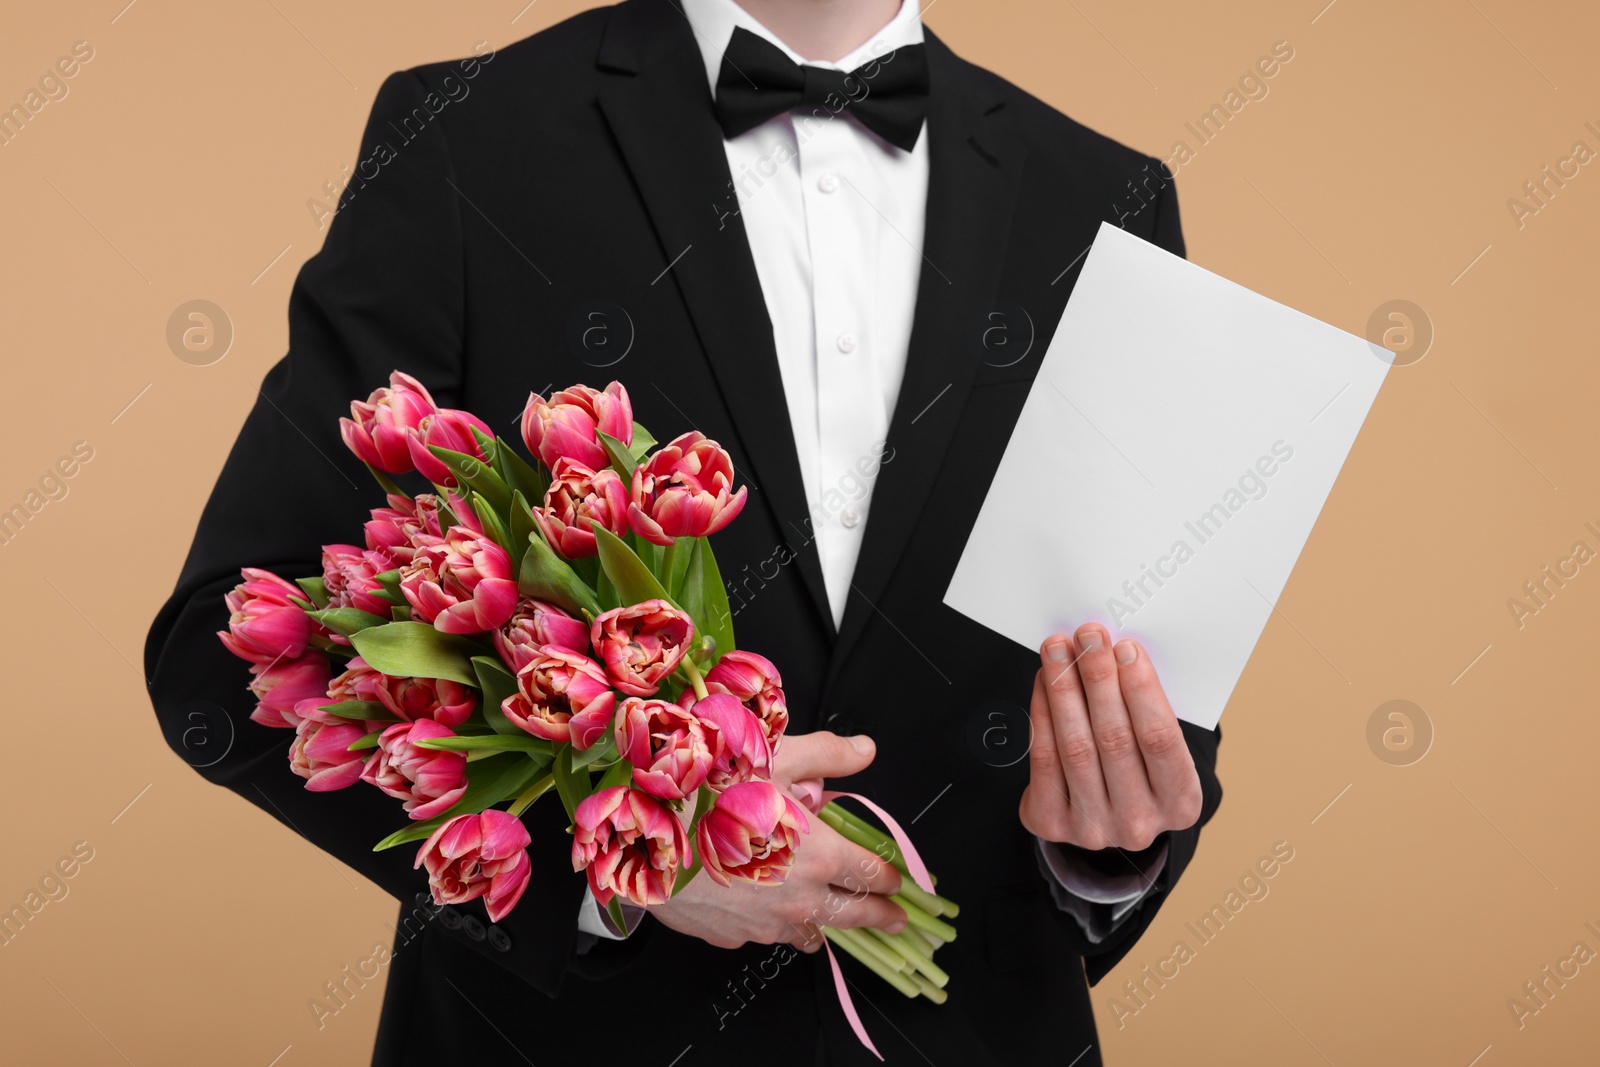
<point x="824" y="755"/>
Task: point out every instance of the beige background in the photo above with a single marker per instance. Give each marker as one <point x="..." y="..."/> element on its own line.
<point x="1378" y="167"/>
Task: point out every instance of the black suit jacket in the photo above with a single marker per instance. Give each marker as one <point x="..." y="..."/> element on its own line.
<point x="479" y="237"/>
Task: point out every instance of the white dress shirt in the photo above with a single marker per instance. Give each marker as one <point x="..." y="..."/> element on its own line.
<point x="835" y="218"/>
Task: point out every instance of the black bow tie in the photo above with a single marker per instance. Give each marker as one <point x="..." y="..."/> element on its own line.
<point x="888" y="95"/>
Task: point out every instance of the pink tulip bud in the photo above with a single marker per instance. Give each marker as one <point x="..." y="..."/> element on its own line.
<point x="755" y="681"/>
<point x="564" y="426"/>
<point x="447" y="703"/>
<point x="407" y="524"/>
<point x="380" y="427"/>
<point x="671" y="750"/>
<point x="750" y="834"/>
<point x="265" y="624"/>
<point x="483" y="855"/>
<point x="446" y="428"/>
<point x="349" y="574"/>
<point x="745" y="752"/>
<point x="464" y="586"/>
<point x="684" y="489"/>
<point x="641" y="644"/>
<point x="320" y="752"/>
<point x="280" y="686"/>
<point x="429" y="781"/>
<point x="629" y="843"/>
<point x="562" y="696"/>
<point x="577" y="499"/>
<point x="535" y="625"/>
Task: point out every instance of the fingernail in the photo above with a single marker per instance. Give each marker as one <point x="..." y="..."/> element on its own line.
<point x="1127" y="652"/>
<point x="1057" y="652"/>
<point x="895" y="927"/>
<point x="1089" y="640"/>
<point x="862" y="744"/>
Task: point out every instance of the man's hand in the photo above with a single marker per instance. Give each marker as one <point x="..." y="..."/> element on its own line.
<point x="1109" y="764"/>
<point x="834" y="882"/>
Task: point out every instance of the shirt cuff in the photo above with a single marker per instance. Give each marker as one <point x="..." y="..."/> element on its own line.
<point x="1098" y="900"/>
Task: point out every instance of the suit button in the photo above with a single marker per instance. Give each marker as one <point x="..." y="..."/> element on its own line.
<point x="473" y="927"/>
<point x="841" y="724"/>
<point x="499" y="939"/>
<point x="450" y="918"/>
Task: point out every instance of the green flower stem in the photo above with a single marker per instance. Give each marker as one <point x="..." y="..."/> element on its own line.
<point x="699" y="683"/>
<point x="533" y="792"/>
<point x="933" y="943"/>
<point x="668" y="559"/>
<point x="929" y="990"/>
<point x="833" y="815"/>
<point x="883" y="844"/>
<point x="853" y="943"/>
<point x="915" y="916"/>
<point x="921" y="963"/>
<point x="887" y="955"/>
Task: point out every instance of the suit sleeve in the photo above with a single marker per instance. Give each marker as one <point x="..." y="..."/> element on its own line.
<point x="384" y="293"/>
<point x="1104" y="952"/>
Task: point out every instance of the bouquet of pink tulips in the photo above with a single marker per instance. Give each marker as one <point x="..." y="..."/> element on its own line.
<point x="561" y="625"/>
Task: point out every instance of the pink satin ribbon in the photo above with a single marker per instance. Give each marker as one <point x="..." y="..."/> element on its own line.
<point x="814" y="798"/>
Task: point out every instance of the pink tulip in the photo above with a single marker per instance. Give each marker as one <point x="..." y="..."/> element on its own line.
<point x="382" y="424"/>
<point x="671" y="750"/>
<point x="630" y="843"/>
<point x="561" y="696"/>
<point x="447" y="703"/>
<point x="535" y="625"/>
<point x="755" y="681"/>
<point x="483" y="855"/>
<point x="446" y="428"/>
<point x="565" y="425"/>
<point x="577" y="499"/>
<point x="265" y="625"/>
<point x="641" y="644"/>
<point x="397" y="531"/>
<point x="684" y="490"/>
<point x="429" y="781"/>
<point x="349" y="574"/>
<point x="320" y="752"/>
<point x="745" y="752"/>
<point x="464" y="586"/>
<point x="279" y="686"/>
<point x="750" y="835"/>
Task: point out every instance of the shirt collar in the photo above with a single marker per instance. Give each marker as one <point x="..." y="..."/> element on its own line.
<point x="713" y="23"/>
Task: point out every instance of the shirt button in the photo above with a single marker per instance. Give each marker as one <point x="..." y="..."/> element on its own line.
<point x="851" y="517"/>
<point x="847" y="342"/>
<point x="828" y="183"/>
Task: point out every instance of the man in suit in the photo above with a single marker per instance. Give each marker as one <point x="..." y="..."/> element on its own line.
<point x="813" y="233"/>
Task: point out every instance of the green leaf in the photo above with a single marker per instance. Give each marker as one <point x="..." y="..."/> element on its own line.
<point x="490" y="446"/>
<point x="522" y="527"/>
<point x="346" y="621"/>
<point x="497" y="742"/>
<point x="369" y="741"/>
<point x="473" y="473"/>
<point x="706" y="599"/>
<point x="606" y="593"/>
<point x="416" y="650"/>
<point x="491" y="781"/>
<point x="385" y="482"/>
<point x="547" y="576"/>
<point x="619" y="773"/>
<point x="358" y="709"/>
<point x="400" y="613"/>
<point x="675" y="564"/>
<point x="703" y="802"/>
<point x="315" y="590"/>
<point x="490" y="519"/>
<point x="599" y="752"/>
<point x="567" y="784"/>
<point x="497" y="683"/>
<point x="622" y="460"/>
<point x="643" y="441"/>
<point x="629" y="575"/>
<point x="390" y="580"/>
<point x="614" y="910"/>
<point x="519" y="474"/>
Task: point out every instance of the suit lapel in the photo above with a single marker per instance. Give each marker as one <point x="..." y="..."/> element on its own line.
<point x="974" y="171"/>
<point x="658" y="106"/>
